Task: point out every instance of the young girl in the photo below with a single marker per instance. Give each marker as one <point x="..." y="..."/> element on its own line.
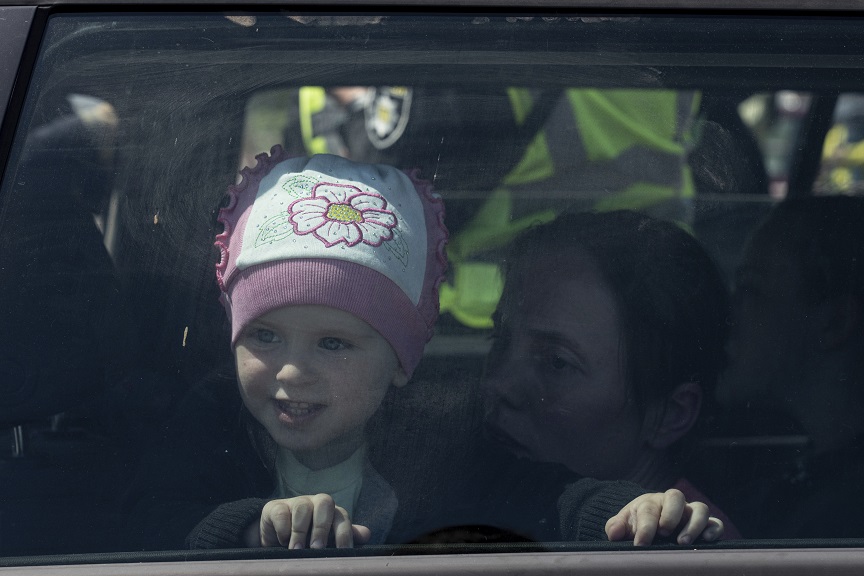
<point x="329" y="272"/>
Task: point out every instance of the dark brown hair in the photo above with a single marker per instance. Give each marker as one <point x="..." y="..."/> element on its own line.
<point x="673" y="306"/>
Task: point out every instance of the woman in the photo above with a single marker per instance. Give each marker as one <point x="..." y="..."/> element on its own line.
<point x="610" y="332"/>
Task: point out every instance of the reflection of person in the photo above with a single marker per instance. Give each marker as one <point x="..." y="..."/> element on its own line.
<point x="329" y="272"/>
<point x="610" y="330"/>
<point x="512" y="152"/>
<point x="795" y="353"/>
<point x="59" y="282"/>
<point x="608" y="149"/>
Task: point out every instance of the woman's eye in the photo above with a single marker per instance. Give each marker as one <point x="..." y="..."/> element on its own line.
<point x="558" y="363"/>
<point x="554" y="362"/>
<point x="331" y="343"/>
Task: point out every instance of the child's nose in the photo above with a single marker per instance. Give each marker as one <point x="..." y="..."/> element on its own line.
<point x="295" y="371"/>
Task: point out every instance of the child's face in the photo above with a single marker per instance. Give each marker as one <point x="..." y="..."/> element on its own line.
<point x="313" y="376"/>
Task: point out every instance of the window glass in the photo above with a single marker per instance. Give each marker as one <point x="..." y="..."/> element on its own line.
<point x="645" y="278"/>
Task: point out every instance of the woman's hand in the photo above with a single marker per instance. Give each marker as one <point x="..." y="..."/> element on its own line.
<point x="665" y="513"/>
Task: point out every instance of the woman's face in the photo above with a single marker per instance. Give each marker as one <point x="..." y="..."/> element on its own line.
<point x="555" y="388"/>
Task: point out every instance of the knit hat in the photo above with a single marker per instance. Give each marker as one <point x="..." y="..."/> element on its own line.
<point x="362" y="238"/>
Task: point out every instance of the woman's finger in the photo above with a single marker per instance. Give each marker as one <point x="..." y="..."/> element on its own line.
<point x="646" y="521"/>
<point x="694" y="525"/>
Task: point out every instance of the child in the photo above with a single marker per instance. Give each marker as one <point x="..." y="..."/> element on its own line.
<point x="329" y="272"/>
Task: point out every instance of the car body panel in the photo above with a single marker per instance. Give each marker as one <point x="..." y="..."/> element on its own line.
<point x="702" y="561"/>
<point x="616" y="5"/>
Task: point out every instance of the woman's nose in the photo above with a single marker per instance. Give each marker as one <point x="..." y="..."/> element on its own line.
<point x="504" y="383"/>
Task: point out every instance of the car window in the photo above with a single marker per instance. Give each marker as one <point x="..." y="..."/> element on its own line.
<point x="651" y="275"/>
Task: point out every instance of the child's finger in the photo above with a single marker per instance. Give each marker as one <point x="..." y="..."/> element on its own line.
<point x="361" y="534"/>
<point x="322" y="520"/>
<point x="275" y="526"/>
<point x="673" y="511"/>
<point x="301" y="517"/>
<point x="343" y="535"/>
<point x="697" y="522"/>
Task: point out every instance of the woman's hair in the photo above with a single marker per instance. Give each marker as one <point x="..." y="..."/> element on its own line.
<point x="673" y="307"/>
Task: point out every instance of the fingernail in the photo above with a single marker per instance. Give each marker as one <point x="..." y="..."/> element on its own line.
<point x="684" y="540"/>
<point x="298" y="546"/>
<point x="317" y="544"/>
<point x="665" y="532"/>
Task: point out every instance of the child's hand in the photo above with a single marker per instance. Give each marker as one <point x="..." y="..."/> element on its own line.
<point x="287" y="523"/>
<point x="665" y="513"/>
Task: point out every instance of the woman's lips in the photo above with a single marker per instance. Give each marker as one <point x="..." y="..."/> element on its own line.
<point x="294" y="413"/>
<point x="502" y="438"/>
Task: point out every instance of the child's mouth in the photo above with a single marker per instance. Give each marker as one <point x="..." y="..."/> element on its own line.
<point x="294" y="413"/>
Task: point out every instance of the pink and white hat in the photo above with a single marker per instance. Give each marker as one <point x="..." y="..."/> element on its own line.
<point x="366" y="239"/>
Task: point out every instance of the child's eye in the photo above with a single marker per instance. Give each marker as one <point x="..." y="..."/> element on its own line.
<point x="265" y="336"/>
<point x="331" y="343"/>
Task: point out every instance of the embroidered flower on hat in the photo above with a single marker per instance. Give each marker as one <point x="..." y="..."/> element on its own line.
<point x="337" y="213"/>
